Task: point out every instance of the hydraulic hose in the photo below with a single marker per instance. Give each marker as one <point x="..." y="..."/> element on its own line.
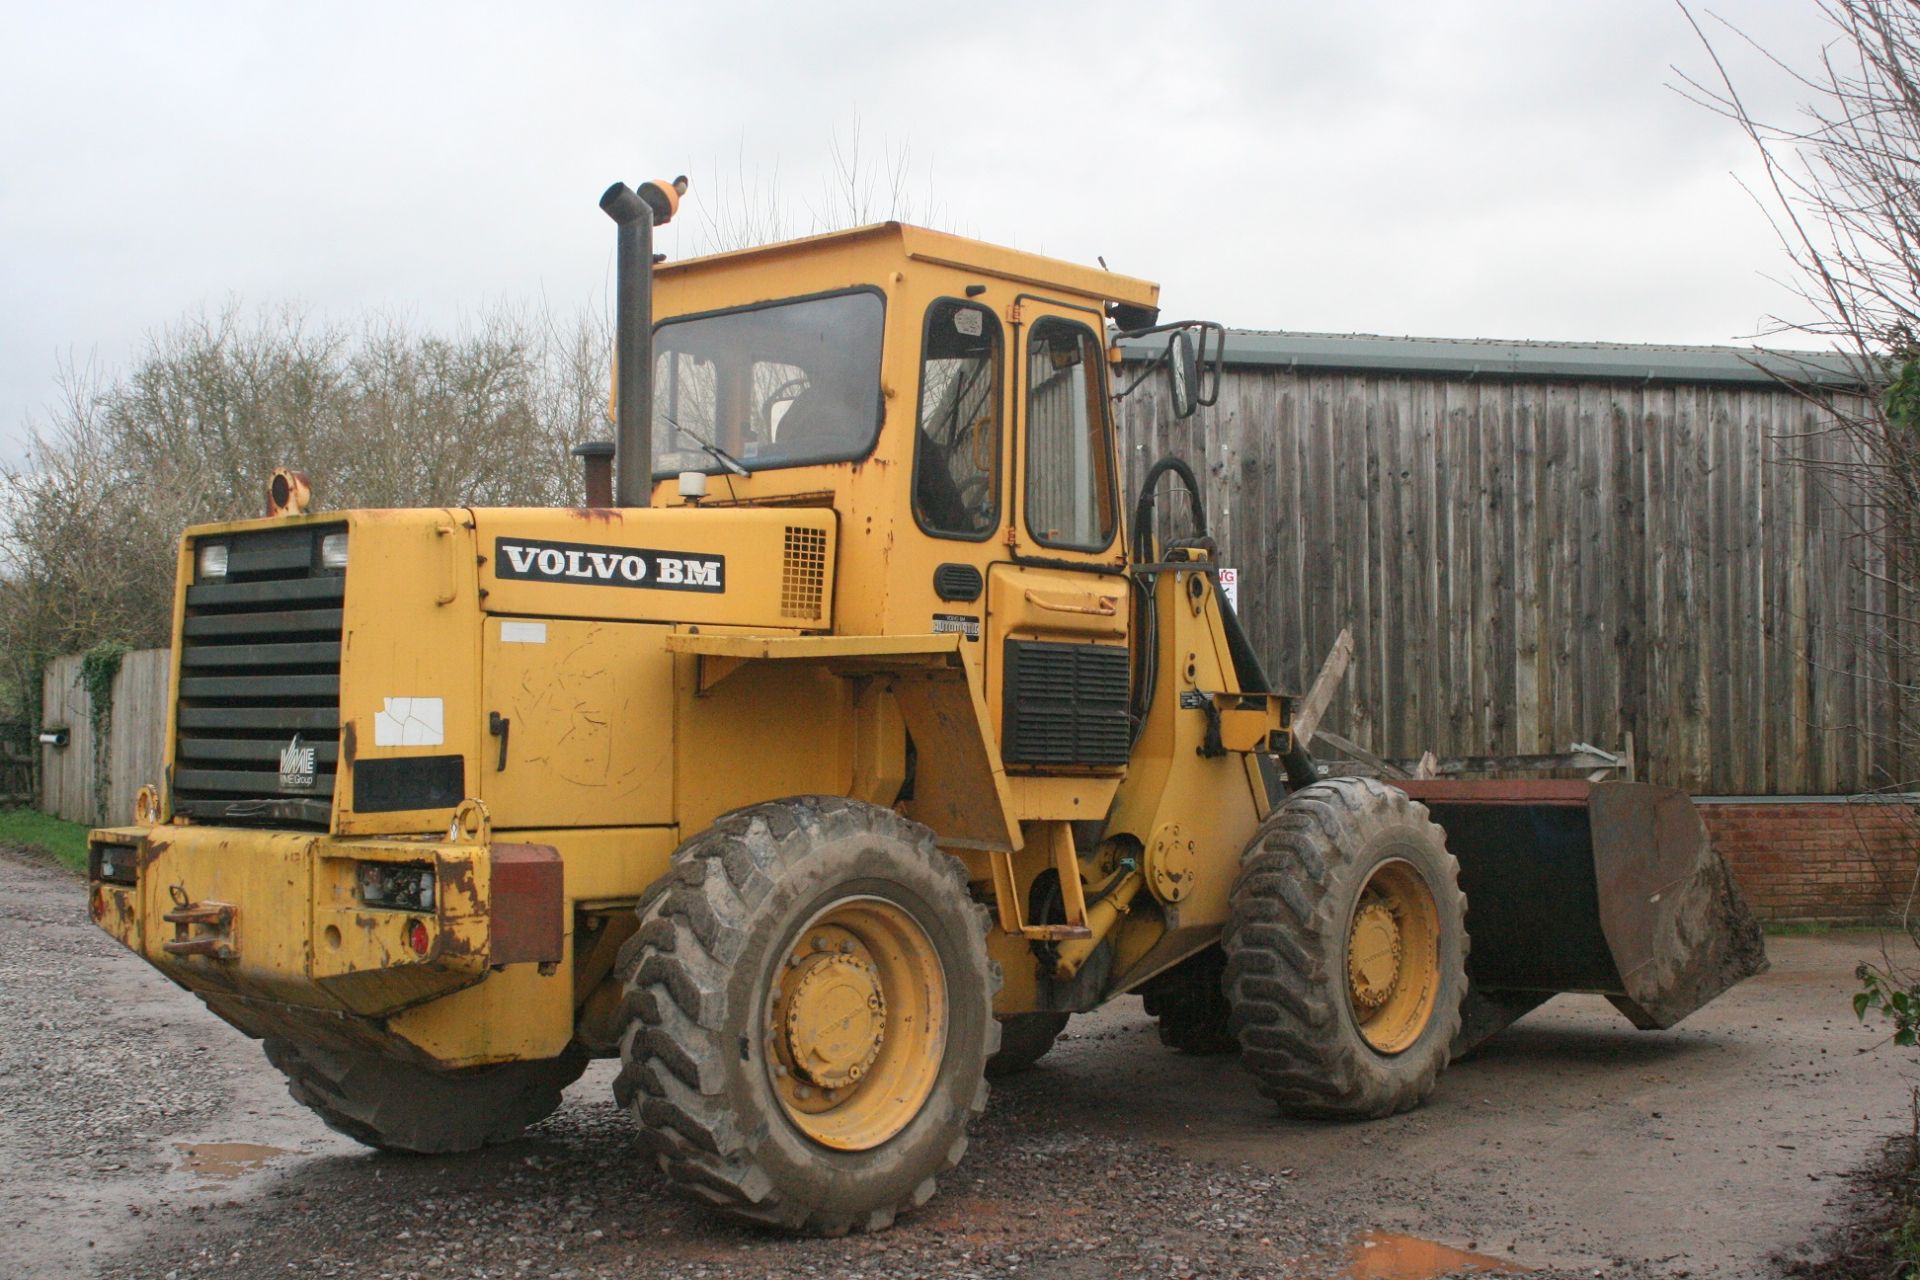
<point x="1297" y="761"/>
<point x="1143" y="507"/>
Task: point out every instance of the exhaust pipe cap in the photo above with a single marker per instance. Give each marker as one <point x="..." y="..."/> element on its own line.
<point x="662" y="199"/>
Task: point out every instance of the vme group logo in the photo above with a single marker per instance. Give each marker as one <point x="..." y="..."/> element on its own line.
<point x="296" y="766"/>
<point x="592" y="564"/>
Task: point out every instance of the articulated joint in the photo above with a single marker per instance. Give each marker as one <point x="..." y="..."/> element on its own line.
<point x="1101" y="918"/>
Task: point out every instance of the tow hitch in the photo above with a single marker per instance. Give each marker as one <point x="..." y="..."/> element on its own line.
<point x="199" y="928"/>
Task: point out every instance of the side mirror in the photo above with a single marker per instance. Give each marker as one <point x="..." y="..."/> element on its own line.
<point x="1196" y="351"/>
<point x="1183" y="373"/>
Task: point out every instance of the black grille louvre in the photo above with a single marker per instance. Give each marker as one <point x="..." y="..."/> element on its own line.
<point x="260" y="663"/>
<point x="1065" y="704"/>
<point x="957" y="582"/>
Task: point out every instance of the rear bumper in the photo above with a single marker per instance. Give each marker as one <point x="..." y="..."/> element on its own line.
<point x="269" y="927"/>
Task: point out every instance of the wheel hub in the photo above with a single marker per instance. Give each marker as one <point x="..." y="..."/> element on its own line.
<point x="856" y="1023"/>
<point x="1393" y="957"/>
<point x="836" y="1019"/>
<point x="1373" y="956"/>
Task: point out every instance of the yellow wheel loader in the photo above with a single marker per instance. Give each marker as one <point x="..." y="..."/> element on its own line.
<point x="846" y="742"/>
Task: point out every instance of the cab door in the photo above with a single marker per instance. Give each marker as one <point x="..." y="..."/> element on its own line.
<point x="1058" y="604"/>
<point x="959" y="468"/>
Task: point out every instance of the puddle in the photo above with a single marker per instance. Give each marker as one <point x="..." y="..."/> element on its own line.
<point x="225" y="1159"/>
<point x="1380" y="1256"/>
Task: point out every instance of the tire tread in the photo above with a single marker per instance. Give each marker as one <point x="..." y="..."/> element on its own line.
<point x="676" y="969"/>
<point x="1283" y="911"/>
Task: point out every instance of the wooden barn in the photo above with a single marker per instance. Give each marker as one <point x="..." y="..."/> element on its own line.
<point x="1543" y="544"/>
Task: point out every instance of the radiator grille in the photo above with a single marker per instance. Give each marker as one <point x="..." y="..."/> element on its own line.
<point x="805" y="578"/>
<point x="1065" y="704"/>
<point x="260" y="683"/>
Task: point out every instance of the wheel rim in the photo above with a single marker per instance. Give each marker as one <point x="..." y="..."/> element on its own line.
<point x="857" y="1025"/>
<point x="1393" y="957"/>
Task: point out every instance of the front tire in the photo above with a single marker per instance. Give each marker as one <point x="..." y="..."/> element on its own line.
<point x="810" y="1012"/>
<point x="1189" y="1004"/>
<point x="1025" y="1038"/>
<point x="1346" y="951"/>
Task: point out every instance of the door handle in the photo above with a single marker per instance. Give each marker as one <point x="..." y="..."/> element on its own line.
<point x="451" y="586"/>
<point x="497" y="725"/>
<point x="1103" y="606"/>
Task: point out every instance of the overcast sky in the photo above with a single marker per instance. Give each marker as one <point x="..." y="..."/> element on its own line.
<point x="1462" y="169"/>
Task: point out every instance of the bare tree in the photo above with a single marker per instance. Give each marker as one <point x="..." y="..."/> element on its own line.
<point x="1841" y="186"/>
<point x="740" y="207"/>
<point x="79" y="561"/>
<point x="378" y="414"/>
<point x="745" y="207"/>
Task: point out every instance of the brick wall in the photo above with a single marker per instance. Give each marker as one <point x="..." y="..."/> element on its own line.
<point x="1819" y="861"/>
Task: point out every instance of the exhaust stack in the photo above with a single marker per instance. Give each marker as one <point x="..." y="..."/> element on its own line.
<point x="636" y="213"/>
<point x="597" y="459"/>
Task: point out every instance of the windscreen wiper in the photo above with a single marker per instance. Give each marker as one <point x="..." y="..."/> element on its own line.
<point x="724" y="458"/>
<point x="720" y="455"/>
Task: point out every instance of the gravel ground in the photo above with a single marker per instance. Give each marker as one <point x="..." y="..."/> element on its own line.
<point x="1569" y="1146"/>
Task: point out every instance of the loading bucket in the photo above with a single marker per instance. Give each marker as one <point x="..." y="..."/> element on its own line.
<point x="1605" y="887"/>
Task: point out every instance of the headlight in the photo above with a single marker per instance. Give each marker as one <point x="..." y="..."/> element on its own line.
<point x="333" y="552"/>
<point x="213" y="559"/>
<point x="397" y="886"/>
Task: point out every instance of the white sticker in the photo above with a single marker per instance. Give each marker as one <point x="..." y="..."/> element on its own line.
<point x="961" y="623"/>
<point x="411" y="722"/>
<point x="968" y="321"/>
<point x="1230" y="587"/>
<point x="523" y="633"/>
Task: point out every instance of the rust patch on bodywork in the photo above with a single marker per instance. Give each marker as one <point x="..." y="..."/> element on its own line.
<point x="455" y="946"/>
<point x="457" y="874"/>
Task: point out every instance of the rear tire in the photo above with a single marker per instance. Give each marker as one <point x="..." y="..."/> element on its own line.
<point x="1025" y="1038"/>
<point x="1189" y="1002"/>
<point x="398" y="1106"/>
<point x="809" y="1011"/>
<point x="1346" y="952"/>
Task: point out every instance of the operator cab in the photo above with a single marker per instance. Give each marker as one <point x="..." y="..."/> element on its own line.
<point x="951" y="401"/>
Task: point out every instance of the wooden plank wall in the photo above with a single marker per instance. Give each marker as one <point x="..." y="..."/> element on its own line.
<point x="136" y="748"/>
<point x="66" y="773"/>
<point x="1526" y="565"/>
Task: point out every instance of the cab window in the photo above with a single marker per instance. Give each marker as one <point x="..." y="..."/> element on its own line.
<point x="785" y="384"/>
<point x="1069" y="468"/>
<point x="956" y="458"/>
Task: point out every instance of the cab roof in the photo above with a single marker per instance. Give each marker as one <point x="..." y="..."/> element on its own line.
<point x="918" y="244"/>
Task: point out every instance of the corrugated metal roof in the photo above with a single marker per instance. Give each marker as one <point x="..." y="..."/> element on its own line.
<point x="1480" y="357"/>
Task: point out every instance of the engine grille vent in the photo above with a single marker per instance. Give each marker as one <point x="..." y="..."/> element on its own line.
<point x="257" y="729"/>
<point x="804" y="581"/>
<point x="1065" y="704"/>
<point x="958" y="582"/>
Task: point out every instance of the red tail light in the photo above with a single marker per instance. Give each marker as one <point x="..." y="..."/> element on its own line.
<point x="418" y="938"/>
